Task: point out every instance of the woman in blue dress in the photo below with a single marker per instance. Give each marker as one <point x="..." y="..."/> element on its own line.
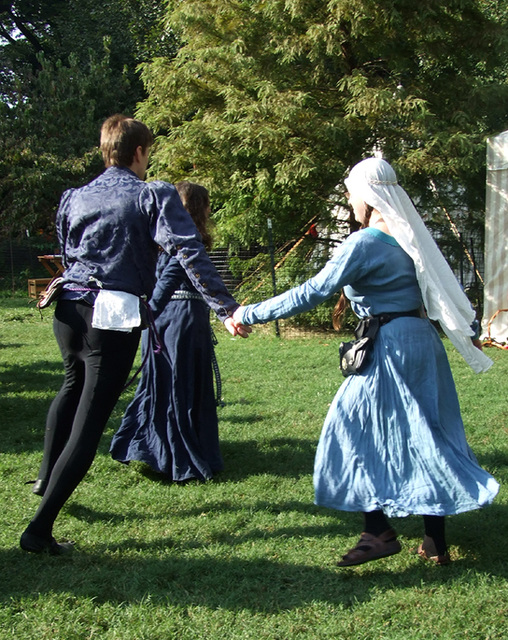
<point x="171" y="424"/>
<point x="393" y="442"/>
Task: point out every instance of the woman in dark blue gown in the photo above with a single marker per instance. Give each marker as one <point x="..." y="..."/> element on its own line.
<point x="171" y="424"/>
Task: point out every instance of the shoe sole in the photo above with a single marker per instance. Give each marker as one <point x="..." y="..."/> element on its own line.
<point x="369" y="557"/>
<point x="53" y="548"/>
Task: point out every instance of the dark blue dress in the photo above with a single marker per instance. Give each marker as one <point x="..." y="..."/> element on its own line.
<point x="171" y="424"/>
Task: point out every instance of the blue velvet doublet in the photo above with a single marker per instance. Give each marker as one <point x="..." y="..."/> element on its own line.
<point x="109" y="232"/>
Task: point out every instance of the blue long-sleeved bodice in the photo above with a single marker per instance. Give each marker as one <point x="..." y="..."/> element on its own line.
<point x="376" y="274"/>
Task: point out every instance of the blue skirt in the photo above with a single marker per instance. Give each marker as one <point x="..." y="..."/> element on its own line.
<point x="171" y="424"/>
<point x="394" y="438"/>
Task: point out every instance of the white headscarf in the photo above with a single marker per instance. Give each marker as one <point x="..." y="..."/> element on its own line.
<point x="375" y="182"/>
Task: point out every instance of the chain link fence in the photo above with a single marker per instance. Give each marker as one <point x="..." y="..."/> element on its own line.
<point x="255" y="273"/>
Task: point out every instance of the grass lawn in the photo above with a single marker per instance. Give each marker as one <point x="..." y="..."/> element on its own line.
<point x="247" y="555"/>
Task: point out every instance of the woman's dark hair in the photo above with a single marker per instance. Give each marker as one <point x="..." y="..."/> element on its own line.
<point x="196" y="200"/>
<point x="342" y="304"/>
<point x="120" y="137"/>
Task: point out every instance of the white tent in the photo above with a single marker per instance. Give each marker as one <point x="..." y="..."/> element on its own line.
<point x="496" y="239"/>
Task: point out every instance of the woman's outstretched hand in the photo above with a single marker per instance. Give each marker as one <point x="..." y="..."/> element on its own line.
<point x="235" y="327"/>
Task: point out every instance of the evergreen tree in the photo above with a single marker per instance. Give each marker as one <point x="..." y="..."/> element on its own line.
<point x="64" y="67"/>
<point x="269" y="102"/>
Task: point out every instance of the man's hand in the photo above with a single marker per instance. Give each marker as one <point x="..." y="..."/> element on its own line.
<point x="237" y="328"/>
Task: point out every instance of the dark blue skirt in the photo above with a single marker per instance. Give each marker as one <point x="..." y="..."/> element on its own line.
<point x="171" y="424"/>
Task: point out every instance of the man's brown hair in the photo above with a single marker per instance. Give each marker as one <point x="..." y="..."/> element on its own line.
<point x="120" y="137"/>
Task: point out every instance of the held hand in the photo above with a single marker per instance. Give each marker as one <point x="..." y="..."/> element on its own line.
<point x="236" y="328"/>
<point x="237" y="315"/>
<point x="242" y="328"/>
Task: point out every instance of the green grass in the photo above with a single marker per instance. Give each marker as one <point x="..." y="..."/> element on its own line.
<point x="247" y="555"/>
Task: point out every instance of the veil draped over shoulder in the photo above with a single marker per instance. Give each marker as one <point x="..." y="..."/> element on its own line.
<point x="375" y="181"/>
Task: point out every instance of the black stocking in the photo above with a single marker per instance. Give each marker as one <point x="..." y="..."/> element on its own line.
<point x="376" y="522"/>
<point x="435" y="529"/>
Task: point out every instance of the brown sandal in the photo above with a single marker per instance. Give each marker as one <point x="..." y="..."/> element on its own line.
<point x="437" y="559"/>
<point x="371" y="547"/>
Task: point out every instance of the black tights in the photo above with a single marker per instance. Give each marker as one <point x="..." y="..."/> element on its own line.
<point x="377" y="523"/>
<point x="97" y="364"/>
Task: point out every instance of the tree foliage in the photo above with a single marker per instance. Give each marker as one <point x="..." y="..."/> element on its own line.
<point x="64" y="67"/>
<point x="269" y="102"/>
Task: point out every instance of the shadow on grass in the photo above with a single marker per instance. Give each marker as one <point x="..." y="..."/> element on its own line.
<point x="87" y="514"/>
<point x="280" y="456"/>
<point x="287" y="457"/>
<point x="43" y="375"/>
<point x="465" y="531"/>
<point x="493" y="460"/>
<point x="17" y="302"/>
<point x="25" y="395"/>
<point x="11" y="345"/>
<point x="168" y="572"/>
<point x="236" y="584"/>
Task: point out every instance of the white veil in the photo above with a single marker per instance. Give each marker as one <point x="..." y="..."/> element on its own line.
<point x="375" y="182"/>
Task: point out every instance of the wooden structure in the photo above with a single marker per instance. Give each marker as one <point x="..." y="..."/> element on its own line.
<point x="53" y="265"/>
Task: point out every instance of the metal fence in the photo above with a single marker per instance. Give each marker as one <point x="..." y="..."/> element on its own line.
<point x="257" y="272"/>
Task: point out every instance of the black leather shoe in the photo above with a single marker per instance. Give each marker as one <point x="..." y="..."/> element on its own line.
<point x="36" y="544"/>
<point x="39" y="487"/>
